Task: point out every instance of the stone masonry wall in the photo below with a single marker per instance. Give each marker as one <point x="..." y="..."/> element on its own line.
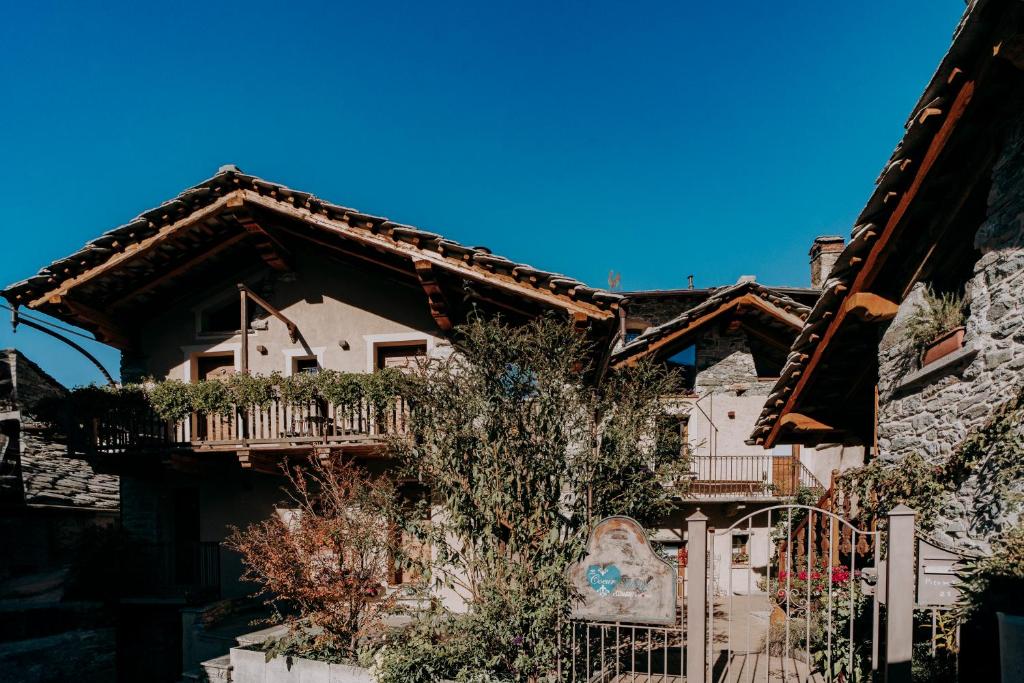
<point x="725" y="362"/>
<point x="933" y="417"/>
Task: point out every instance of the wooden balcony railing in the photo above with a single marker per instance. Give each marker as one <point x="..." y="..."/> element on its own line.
<point x="139" y="429"/>
<point x="757" y="476"/>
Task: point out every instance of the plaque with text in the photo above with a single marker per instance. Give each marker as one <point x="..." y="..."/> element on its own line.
<point x="936" y="576"/>
<point x="622" y="579"/>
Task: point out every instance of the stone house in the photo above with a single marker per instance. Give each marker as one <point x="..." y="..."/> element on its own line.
<point x="946" y="217"/>
<point x="730" y="344"/>
<point x="314" y="286"/>
<point x="54" y="507"/>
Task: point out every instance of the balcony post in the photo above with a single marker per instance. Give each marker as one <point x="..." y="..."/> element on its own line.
<point x="243" y="328"/>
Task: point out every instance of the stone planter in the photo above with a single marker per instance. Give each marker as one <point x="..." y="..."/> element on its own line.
<point x="1011" y="647"/>
<point x="943" y="345"/>
<point x="251" y="666"/>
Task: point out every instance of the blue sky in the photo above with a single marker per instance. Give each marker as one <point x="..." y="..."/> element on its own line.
<point x="656" y="139"/>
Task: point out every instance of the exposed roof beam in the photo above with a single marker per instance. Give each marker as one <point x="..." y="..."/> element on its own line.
<point x="133" y="251"/>
<point x="180" y="269"/>
<point x="435" y="296"/>
<point x="869" y="307"/>
<point x="270" y="249"/>
<point x="109" y="331"/>
<point x="802" y="423"/>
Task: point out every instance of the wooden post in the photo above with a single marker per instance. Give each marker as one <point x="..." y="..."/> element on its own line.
<point x="243" y="307"/>
<point x="696" y="596"/>
<point x="241" y="424"/>
<point x="899" y="598"/>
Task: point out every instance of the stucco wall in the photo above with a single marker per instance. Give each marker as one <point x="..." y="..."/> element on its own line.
<point x="931" y="418"/>
<point x="329" y="303"/>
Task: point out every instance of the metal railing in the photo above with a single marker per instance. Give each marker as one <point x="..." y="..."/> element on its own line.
<point x="759" y="476"/>
<point x="605" y="652"/>
<point x="140" y="429"/>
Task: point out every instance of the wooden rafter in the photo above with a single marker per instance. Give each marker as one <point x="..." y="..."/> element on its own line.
<point x="54" y="295"/>
<point x="435" y="296"/>
<point x="270" y="249"/>
<point x="802" y="423"/>
<point x="106" y="329"/>
<point x="179" y="269"/>
<point x="869" y="307"/>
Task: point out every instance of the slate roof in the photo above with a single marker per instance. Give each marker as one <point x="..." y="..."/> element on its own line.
<point x="229" y="179"/>
<point x="717" y="298"/>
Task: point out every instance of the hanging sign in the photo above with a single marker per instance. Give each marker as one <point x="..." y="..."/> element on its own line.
<point x="936" y="576"/>
<point x="621" y="578"/>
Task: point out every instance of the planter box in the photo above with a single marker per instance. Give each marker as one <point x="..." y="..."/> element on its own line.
<point x="251" y="666"/>
<point x="943" y="345"/>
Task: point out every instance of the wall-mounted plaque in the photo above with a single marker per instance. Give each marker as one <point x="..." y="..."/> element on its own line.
<point x="622" y="579"/>
<point x="936" y="576"/>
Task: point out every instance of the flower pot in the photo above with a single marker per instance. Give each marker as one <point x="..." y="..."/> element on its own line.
<point x="1011" y="646"/>
<point x="943" y="345"/>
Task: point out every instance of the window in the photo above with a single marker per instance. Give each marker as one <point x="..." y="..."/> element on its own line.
<point x="308" y="364"/>
<point x="740" y="549"/>
<point x="403" y="357"/>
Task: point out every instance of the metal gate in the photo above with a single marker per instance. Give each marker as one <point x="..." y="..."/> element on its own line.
<point x="797" y="598"/>
<point x="801" y="602"/>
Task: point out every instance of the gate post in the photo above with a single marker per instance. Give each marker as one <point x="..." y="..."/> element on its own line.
<point x="899" y="588"/>
<point x="696" y="596"/>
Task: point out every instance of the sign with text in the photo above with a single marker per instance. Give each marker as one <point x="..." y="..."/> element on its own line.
<point x="622" y="579"/>
<point x="936" y="576"/>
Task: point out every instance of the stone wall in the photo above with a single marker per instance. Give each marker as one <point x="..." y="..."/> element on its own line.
<point x="725" y="362"/>
<point x="931" y="417"/>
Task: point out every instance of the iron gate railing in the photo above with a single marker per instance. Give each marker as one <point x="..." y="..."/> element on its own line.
<point x="605" y="652"/>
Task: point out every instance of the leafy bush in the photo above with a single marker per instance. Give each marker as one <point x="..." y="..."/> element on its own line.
<point x="995" y="583"/>
<point x="327" y="559"/>
<point x="524" y="454"/>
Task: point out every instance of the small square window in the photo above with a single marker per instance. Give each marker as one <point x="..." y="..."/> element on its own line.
<point x="740" y="549"/>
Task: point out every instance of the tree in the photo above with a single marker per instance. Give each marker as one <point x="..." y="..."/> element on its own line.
<point x="522" y="451"/>
<point x="323" y="563"/>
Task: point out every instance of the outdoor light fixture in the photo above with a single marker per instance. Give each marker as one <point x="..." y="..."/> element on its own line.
<point x="343" y="344"/>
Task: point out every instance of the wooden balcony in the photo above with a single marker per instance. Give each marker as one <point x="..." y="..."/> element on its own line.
<point x="748" y="476"/>
<point x="278" y="426"/>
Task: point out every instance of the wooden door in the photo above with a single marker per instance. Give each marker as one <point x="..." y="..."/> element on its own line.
<point x="213" y="427"/>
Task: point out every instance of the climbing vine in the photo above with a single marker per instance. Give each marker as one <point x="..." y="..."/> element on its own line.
<point x="175" y="400"/>
<point x="991" y="457"/>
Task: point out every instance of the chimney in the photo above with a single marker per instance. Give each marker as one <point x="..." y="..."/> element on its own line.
<point x="824" y="252"/>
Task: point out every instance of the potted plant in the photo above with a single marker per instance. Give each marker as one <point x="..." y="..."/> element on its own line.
<point x="937" y="327"/>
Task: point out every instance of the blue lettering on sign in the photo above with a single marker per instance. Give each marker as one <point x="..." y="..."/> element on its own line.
<point x="603" y="579"/>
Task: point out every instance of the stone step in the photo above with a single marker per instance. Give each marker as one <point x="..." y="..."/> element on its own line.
<point x="217" y="670"/>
